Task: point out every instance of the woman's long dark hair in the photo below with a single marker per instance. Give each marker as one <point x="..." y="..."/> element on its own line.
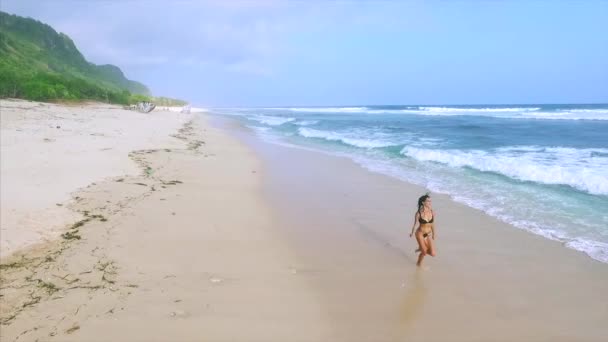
<point x="421" y="201"/>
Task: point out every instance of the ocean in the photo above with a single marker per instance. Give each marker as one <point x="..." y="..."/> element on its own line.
<point x="541" y="168"/>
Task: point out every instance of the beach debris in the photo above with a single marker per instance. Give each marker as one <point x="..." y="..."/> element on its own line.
<point x="48" y="286"/>
<point x="195" y="144"/>
<point x="78" y="309"/>
<point x="178" y="313"/>
<point x="72" y="329"/>
<point x="142" y="107"/>
<point x="81" y="222"/>
<point x="15" y="264"/>
<point x="71" y="235"/>
<point x="173" y="182"/>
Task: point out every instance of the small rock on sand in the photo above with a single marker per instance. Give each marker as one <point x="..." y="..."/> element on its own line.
<point x="216" y="280"/>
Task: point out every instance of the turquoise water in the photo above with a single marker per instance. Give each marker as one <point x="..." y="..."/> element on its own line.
<point x="542" y="168"/>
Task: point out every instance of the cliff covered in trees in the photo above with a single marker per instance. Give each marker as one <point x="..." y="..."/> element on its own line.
<point x="38" y="63"/>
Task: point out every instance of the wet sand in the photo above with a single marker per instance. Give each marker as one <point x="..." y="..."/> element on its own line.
<point x="489" y="282"/>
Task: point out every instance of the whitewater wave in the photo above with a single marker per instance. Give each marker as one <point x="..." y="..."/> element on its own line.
<point x="572" y="114"/>
<point x="259" y="129"/>
<point x="595" y="249"/>
<point x="350" y="138"/>
<point x="557" y="165"/>
<point x="498" y="112"/>
<point x="514" y="113"/>
<point x="595" y="111"/>
<point x="306" y="123"/>
<point x="271" y="120"/>
<point x="324" y="109"/>
<point x="476" y="110"/>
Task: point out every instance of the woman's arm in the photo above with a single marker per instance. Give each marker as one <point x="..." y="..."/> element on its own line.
<point x="415" y="221"/>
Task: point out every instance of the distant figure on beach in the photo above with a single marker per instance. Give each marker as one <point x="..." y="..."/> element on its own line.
<point x="425" y="234"/>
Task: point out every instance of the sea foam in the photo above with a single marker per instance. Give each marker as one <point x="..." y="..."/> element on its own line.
<point x="559" y="165"/>
<point x="271" y="120"/>
<point x="349" y="138"/>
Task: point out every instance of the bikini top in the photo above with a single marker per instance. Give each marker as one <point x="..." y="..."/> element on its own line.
<point x="421" y="220"/>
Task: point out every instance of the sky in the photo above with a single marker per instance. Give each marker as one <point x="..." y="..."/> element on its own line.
<point x="307" y="53"/>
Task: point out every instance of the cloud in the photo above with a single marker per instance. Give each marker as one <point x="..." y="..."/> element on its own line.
<point x="242" y="47"/>
<point x="228" y="34"/>
<point x="236" y="35"/>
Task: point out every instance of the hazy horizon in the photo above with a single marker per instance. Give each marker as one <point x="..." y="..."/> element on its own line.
<point x="341" y="105"/>
<point x="343" y="53"/>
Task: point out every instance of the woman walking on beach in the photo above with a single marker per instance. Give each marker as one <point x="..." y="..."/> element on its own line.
<point x="425" y="234"/>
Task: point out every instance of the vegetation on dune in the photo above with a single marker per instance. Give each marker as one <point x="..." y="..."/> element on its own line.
<point x="38" y="63"/>
<point x="169" y="102"/>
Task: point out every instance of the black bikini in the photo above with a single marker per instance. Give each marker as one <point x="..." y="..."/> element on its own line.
<point x="421" y="221"/>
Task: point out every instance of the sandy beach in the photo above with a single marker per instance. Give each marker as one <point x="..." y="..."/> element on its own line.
<point x="49" y="151"/>
<point x="184" y="245"/>
<point x="188" y="227"/>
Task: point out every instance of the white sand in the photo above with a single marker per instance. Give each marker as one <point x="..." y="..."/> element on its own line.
<point x="48" y="151"/>
<point x="187" y="252"/>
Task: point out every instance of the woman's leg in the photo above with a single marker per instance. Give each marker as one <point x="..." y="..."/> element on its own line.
<point x="430" y="246"/>
<point x="422" y="247"/>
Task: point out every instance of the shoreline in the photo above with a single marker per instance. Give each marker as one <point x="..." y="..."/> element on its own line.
<point x="277" y="141"/>
<point x="530" y="181"/>
<point x="226" y="237"/>
<point x="487" y="272"/>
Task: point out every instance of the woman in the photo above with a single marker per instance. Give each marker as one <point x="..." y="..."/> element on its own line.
<point x="425" y="234"/>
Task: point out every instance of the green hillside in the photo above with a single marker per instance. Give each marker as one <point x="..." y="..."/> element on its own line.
<point x="38" y="63"/>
